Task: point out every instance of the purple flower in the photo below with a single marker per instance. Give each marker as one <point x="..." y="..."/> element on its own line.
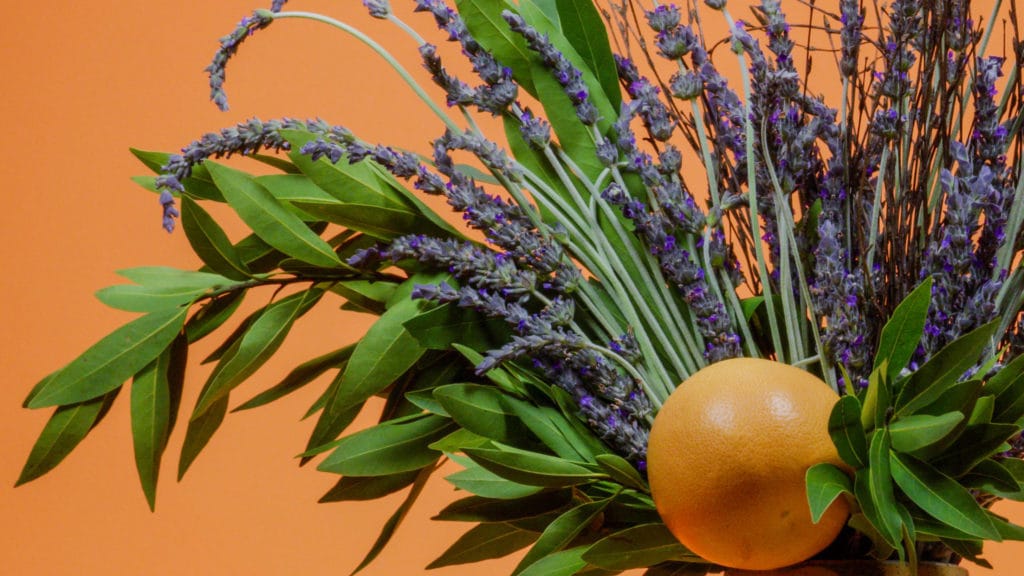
<point x="229" y="46"/>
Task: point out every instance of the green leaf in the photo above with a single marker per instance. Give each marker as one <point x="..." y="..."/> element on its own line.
<point x="199" y="432"/>
<point x="902" y="333"/>
<point x="37" y="387"/>
<point x="159" y="289"/>
<point x="458" y="441"/>
<point x="300" y="376"/>
<point x="750" y="306"/>
<point x="269" y="219"/>
<point x="941" y="496"/>
<point x="213" y="315"/>
<point x="484" y="542"/>
<point x="622" y="472"/>
<point x="638" y="547"/>
<point x="859" y="520"/>
<point x="943" y="370"/>
<point x="369" y="295"/>
<point x="396" y="519"/>
<point x="388" y="448"/>
<point x="1007" y="530"/>
<point x="533" y="160"/>
<point x="584" y="29"/>
<point x="209" y="241"/>
<point x="961" y="397"/>
<point x="438" y="328"/>
<point x="847" y="432"/>
<point x="236" y="335"/>
<point x="479" y="509"/>
<point x="825" y="483"/>
<point x="983" y="411"/>
<point x="150" y="415"/>
<point x="329" y="425"/>
<point x="631" y="508"/>
<point x="65" y="429"/>
<point x="992" y="477"/>
<point x="912" y="433"/>
<point x="482" y="482"/>
<point x="133" y="298"/>
<point x="258" y="344"/>
<point x="361" y="488"/>
<point x="111" y="361"/>
<point x="384" y="353"/>
<point x="424" y="399"/>
<point x="549" y="425"/>
<point x="968" y="550"/>
<point x="561" y="532"/>
<point x="482" y="410"/>
<point x="198" y="183"/>
<point x="975" y="444"/>
<point x="365" y="197"/>
<point x="275" y="162"/>
<point x="927" y="526"/>
<point x="877" y="398"/>
<point x="531" y="468"/>
<point x="1008" y="377"/>
<point x="880" y="484"/>
<point x="564" y="563"/>
<point x="1007" y="386"/>
<point x="167" y="276"/>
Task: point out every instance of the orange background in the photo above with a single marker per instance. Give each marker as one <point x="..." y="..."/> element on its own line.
<point x="83" y="81"/>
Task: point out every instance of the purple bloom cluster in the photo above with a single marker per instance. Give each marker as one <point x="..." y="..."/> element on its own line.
<point x="567" y="75"/>
<point x="851" y="16"/>
<point x="494" y="284"/>
<point x="244" y="138"/>
<point x="872" y="216"/>
<point x="964" y="289"/>
<point x="498" y="91"/>
<point x="680" y="268"/>
<point x="229" y="45"/>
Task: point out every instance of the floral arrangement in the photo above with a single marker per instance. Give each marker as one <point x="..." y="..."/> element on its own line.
<point x="873" y="242"/>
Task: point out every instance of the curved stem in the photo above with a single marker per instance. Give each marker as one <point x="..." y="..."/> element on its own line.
<point x="382" y="52"/>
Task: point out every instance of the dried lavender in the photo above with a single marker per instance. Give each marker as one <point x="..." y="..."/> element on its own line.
<point x="568" y="76"/>
<point x="229" y="45"/>
<point x="846" y="202"/>
<point x="244" y="138"/>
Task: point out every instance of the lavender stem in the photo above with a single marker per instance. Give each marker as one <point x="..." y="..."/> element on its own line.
<point x="752" y="198"/>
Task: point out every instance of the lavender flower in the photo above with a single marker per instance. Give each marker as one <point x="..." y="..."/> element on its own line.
<point x="378" y="8"/>
<point x="567" y="75"/>
<point x="244" y="138"/>
<point x="852" y="20"/>
<point x="459" y="93"/>
<point x="499" y="90"/>
<point x="657" y="230"/>
<point x="229" y="46"/>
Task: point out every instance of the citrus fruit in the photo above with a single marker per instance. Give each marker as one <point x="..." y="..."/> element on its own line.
<point x="727" y="457"/>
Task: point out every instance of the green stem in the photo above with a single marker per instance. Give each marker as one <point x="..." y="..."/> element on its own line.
<point x="381" y="51"/>
<point x="652" y="277"/>
<point x="755" y="224"/>
<point x="876" y="207"/>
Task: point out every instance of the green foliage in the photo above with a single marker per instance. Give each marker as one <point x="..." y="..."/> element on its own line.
<point x="921" y="446"/>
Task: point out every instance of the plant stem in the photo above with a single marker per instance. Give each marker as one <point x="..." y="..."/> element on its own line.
<point x="381" y="51"/>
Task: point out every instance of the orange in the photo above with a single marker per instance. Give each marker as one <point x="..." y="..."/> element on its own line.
<point x="726" y="462"/>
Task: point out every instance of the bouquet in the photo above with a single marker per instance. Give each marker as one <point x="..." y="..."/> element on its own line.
<point x="646" y="246"/>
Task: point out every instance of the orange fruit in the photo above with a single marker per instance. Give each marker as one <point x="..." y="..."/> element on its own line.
<point x="727" y="457"/>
